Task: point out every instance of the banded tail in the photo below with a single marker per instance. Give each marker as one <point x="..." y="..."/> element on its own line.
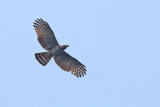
<point x="43" y="58"/>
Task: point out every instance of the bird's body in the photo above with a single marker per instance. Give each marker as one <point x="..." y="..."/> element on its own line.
<point x="55" y="51"/>
<point x="48" y="41"/>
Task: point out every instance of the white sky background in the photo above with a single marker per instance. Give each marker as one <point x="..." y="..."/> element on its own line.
<point x="118" y="41"/>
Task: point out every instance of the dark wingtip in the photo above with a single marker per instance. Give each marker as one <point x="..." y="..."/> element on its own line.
<point x="37" y="22"/>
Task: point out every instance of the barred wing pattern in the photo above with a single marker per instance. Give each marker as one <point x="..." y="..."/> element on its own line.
<point x="45" y="34"/>
<point x="68" y="63"/>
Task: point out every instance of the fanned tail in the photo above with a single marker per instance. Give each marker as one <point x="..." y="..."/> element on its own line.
<point x="43" y="58"/>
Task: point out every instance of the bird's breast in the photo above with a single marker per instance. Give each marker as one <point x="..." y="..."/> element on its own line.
<point x="55" y="51"/>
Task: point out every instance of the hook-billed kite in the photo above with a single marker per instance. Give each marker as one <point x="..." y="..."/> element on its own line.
<point x="48" y="41"/>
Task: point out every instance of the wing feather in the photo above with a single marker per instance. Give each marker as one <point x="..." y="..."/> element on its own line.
<point x="69" y="63"/>
<point x="45" y="34"/>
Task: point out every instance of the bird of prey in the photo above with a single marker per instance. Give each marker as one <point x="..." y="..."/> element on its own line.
<point x="49" y="42"/>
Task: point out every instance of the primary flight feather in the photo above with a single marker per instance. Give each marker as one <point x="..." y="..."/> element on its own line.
<point x="49" y="42"/>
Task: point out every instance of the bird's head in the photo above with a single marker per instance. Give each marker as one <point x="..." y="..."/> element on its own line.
<point x="64" y="47"/>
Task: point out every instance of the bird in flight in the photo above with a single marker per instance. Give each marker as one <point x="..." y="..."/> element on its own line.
<point x="49" y="42"/>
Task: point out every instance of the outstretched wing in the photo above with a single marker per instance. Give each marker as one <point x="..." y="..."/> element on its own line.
<point x="45" y="34"/>
<point x="68" y="63"/>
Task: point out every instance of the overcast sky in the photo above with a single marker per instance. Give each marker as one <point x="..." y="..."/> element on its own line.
<point x="117" y="40"/>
